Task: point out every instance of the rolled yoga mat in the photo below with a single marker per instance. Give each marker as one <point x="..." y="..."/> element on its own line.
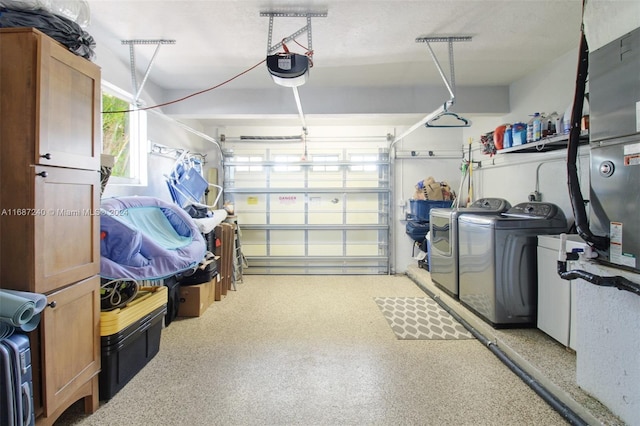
<point x="6" y="330"/>
<point x="21" y="309"/>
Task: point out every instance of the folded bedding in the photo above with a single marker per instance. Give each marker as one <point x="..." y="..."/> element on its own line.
<point x="146" y="238"/>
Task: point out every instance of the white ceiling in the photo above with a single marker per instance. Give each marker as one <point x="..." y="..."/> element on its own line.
<point x="361" y="43"/>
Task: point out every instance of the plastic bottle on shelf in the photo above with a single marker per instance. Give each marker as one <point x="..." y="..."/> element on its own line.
<point x="508" y="137"/>
<point x="534" y="128"/>
<point x="498" y="136"/>
<point x="530" y="130"/>
<point x="566" y="119"/>
<point x="584" y="123"/>
<point x="537" y="127"/>
<point x="554" y="123"/>
<point x="519" y="134"/>
<point x="584" y="118"/>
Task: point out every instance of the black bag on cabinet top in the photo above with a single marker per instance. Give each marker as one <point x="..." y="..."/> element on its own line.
<point x="202" y="274"/>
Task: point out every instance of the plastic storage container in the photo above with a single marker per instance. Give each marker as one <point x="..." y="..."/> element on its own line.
<point x="508" y="137"/>
<point x="417" y="230"/>
<point x="551" y="124"/>
<point x="566" y="119"/>
<point x="420" y="208"/>
<point x="125" y="353"/>
<point x="534" y="128"/>
<point x="147" y="300"/>
<point x="537" y="127"/>
<point x="519" y="133"/>
<point x="498" y="136"/>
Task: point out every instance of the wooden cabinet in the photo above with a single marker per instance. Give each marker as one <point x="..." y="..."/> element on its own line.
<point x="66" y="244"/>
<point x="72" y="354"/>
<point x="49" y="209"/>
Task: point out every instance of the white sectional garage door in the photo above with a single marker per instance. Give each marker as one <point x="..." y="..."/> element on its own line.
<point x="326" y="212"/>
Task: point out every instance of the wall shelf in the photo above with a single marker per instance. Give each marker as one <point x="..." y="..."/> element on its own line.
<point x="545" y="144"/>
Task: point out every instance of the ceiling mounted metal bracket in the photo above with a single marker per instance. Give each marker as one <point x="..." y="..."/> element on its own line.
<point x="132" y="59"/>
<point x="306" y="28"/>
<point x="451" y="84"/>
<point x="442" y="111"/>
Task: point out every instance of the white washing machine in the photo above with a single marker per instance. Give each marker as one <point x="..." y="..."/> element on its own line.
<point x="443" y="234"/>
<point x="557" y="314"/>
<point x="498" y="261"/>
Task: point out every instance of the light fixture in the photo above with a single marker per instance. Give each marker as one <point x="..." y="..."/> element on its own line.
<point x="288" y="69"/>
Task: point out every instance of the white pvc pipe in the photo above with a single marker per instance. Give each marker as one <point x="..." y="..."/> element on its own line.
<point x="420" y="123"/>
<point x="300" y="113"/>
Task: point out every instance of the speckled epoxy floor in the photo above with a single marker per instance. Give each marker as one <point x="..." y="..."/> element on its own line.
<point x="545" y="360"/>
<point x="315" y="350"/>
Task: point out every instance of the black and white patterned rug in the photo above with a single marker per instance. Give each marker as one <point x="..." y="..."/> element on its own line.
<point x="420" y="318"/>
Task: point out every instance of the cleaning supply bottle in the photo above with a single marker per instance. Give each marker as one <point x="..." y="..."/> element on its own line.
<point x="584" y="122"/>
<point x="566" y="119"/>
<point x="530" y="130"/>
<point x="537" y="127"/>
<point x="518" y="133"/>
<point x="584" y="118"/>
<point x="498" y="136"/>
<point x="508" y="137"/>
<point x="552" y="124"/>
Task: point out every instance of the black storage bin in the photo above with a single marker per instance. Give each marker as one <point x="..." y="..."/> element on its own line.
<point x="201" y="276"/>
<point x="173" y="299"/>
<point x="125" y="353"/>
<point x="417" y="230"/>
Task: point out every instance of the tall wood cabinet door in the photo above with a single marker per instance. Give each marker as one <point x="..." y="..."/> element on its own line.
<point x="69" y="109"/>
<point x="67" y="233"/>
<point x="70" y="341"/>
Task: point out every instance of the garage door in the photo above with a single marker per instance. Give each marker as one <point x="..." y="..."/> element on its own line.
<point x="323" y="211"/>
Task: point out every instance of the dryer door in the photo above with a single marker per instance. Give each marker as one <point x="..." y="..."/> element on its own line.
<point x="440" y="233"/>
<point x="443" y="256"/>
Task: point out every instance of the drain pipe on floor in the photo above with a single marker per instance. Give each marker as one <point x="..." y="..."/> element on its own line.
<point x="548" y="397"/>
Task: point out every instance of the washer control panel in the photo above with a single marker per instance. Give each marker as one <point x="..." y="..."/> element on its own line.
<point x="533" y="210"/>
<point x="494" y="204"/>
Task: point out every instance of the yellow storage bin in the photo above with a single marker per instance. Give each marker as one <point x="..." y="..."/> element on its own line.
<point x="147" y="300"/>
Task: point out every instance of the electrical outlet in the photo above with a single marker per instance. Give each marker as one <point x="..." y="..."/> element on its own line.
<point x="535" y="196"/>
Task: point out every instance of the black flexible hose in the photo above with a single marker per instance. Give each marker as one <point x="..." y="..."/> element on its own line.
<point x="577" y="201"/>
<point x="560" y="407"/>
<point x="600" y="243"/>
<point x="621" y="283"/>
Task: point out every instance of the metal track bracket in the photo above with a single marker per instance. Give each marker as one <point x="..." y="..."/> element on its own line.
<point x="451" y="83"/>
<point x="442" y="111"/>
<point x="306" y="28"/>
<point x="132" y="58"/>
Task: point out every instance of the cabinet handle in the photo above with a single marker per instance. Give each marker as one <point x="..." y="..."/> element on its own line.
<point x="43" y="174"/>
<point x="47" y="156"/>
<point x="53" y="304"/>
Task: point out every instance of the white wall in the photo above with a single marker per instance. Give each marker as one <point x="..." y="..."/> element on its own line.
<point x="514" y="176"/>
<point x="447" y="148"/>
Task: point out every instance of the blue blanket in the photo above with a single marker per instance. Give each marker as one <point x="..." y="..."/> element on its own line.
<point x="145" y="238"/>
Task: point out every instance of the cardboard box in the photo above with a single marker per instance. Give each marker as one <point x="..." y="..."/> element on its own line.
<point x="225" y="232"/>
<point x="217" y="288"/>
<point x="212" y="292"/>
<point x="195" y="299"/>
